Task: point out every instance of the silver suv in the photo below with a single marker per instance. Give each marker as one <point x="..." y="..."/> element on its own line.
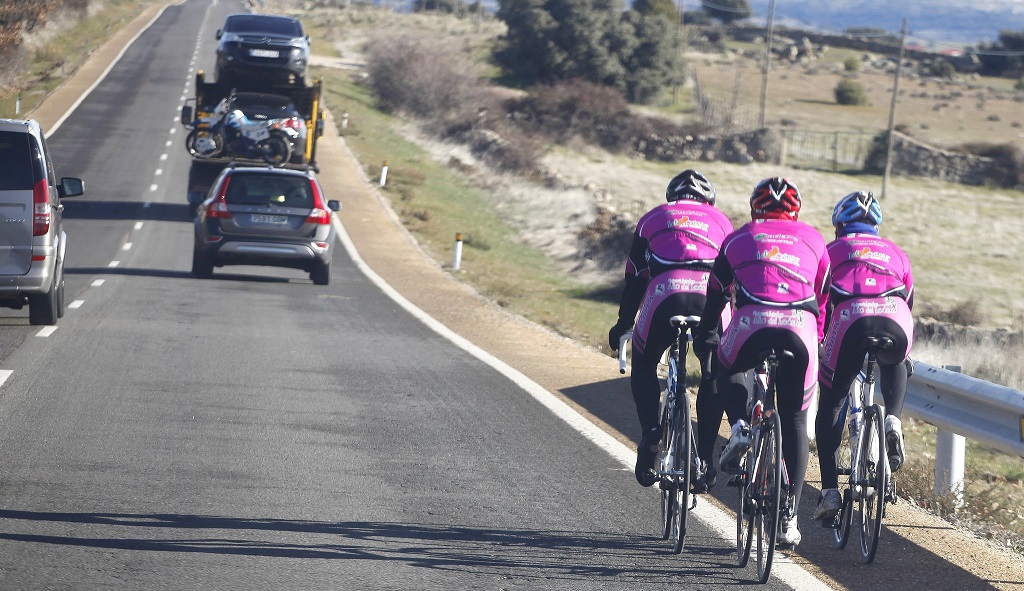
<point x="32" y="238"/>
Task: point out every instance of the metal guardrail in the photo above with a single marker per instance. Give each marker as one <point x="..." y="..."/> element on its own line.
<point x="961" y="406"/>
<point x="974" y="408"/>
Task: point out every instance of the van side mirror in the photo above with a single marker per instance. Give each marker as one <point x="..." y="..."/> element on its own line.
<point x="186" y="115"/>
<point x="71" y="187"/>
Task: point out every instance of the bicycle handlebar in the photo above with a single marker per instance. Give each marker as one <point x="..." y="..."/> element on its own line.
<point x="622" y="350"/>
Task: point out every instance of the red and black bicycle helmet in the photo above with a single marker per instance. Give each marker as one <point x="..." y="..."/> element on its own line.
<point x="775" y="198"/>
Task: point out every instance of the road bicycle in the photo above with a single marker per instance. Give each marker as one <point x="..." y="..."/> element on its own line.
<point x="762" y="479"/>
<point x="864" y="460"/>
<point x="676" y="464"/>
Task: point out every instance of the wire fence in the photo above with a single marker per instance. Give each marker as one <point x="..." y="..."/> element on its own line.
<point x="826" y="150"/>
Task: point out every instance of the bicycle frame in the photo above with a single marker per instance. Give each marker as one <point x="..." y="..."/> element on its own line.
<point x="764" y="492"/>
<point x="870" y="483"/>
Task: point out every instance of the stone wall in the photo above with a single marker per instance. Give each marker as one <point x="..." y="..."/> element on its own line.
<point x="913" y="158"/>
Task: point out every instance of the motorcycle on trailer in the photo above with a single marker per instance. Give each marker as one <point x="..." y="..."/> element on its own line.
<point x="228" y="133"/>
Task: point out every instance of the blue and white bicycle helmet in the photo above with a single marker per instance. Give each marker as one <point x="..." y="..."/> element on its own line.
<point x="859" y="206"/>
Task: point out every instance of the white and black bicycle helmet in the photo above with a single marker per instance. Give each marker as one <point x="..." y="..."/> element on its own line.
<point x="690" y="184"/>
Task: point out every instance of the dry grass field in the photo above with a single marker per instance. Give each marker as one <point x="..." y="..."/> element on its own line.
<point x="942" y="112"/>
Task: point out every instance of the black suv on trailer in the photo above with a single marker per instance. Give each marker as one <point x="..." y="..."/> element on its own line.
<point x="262" y="46"/>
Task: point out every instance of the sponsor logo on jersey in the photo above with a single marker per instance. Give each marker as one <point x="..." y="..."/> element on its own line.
<point x="686" y="222"/>
<point x="775" y="255"/>
<point x="869" y="255"/>
<point x="874" y="308"/>
<point x="676" y="284"/>
<point x="777" y="318"/>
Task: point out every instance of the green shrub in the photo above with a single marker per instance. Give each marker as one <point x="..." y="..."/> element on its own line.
<point x="849" y="92"/>
<point x="851" y="64"/>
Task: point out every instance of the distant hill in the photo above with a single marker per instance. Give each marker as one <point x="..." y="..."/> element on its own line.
<point x="937" y="21"/>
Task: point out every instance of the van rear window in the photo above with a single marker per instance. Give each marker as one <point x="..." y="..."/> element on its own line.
<point x="17" y="161"/>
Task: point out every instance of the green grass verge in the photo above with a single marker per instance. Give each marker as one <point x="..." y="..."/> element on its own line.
<point x="53" y="61"/>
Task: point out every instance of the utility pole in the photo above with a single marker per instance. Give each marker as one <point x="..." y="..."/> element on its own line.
<point x="892" y="109"/>
<point x="767" y="63"/>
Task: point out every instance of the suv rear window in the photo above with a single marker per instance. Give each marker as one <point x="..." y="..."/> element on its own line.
<point x="271" y="189"/>
<point x="263" y="24"/>
<point x="18" y="161"/>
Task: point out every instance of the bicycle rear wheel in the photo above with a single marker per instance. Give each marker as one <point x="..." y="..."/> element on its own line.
<point x="872" y="498"/>
<point x="844" y="522"/>
<point x="745" y="511"/>
<point x="768" y="487"/>
<point x="682" y="464"/>
<point x="667" y="492"/>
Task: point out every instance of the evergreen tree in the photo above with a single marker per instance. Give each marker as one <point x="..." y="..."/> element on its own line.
<point x="593" y="40"/>
<point x="665" y="8"/>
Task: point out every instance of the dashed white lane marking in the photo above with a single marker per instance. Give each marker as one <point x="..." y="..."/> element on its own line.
<point x="4" y="374"/>
<point x="154" y="187"/>
<point x="158" y="172"/>
<point x="169" y="143"/>
<point x="98" y="282"/>
<point x="126" y="246"/>
<point x="163" y="156"/>
<point x="138" y="225"/>
<point x="46" y="331"/>
<point x="113" y="264"/>
<point x="75" y="304"/>
<point x="174" y="130"/>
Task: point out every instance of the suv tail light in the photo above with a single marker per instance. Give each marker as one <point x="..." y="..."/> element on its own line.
<point x="219" y="207"/>
<point x="293" y="123"/>
<point x="42" y="210"/>
<point x="320" y="214"/>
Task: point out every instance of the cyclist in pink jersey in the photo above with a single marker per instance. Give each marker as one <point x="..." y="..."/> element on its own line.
<point x="872" y="295"/>
<point x="666" y="275"/>
<point x="775" y="269"/>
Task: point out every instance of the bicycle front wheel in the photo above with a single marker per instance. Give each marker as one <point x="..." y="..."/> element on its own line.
<point x="873" y="482"/>
<point x="768" y="487"/>
<point x="682" y="464"/>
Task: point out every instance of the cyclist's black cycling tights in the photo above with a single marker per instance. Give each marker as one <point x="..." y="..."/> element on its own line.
<point x="892" y="380"/>
<point x="735" y="382"/>
<point x="644" y="379"/>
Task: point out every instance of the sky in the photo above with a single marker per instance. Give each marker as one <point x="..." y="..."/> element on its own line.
<point x="939" y="21"/>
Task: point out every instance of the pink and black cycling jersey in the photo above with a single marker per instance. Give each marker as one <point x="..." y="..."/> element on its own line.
<point x="865" y="265"/>
<point x="777" y="272"/>
<point x="673" y="248"/>
<point x="777" y="264"/>
<point x="871" y="279"/>
<point x="682" y="233"/>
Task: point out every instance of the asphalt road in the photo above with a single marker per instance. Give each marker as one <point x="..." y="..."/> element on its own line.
<point x="255" y="431"/>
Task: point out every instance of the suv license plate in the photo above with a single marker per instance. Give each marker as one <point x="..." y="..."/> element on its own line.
<point x="264" y="53"/>
<point x="262" y="218"/>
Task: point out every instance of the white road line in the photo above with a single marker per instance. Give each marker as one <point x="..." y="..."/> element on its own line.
<point x="153" y="187"/>
<point x="113" y="264"/>
<point x="174" y="130"/>
<point x="722" y="523"/>
<point x="46" y="331"/>
<point x="138" y="225"/>
<point x="169" y="143"/>
<point x="98" y="282"/>
<point x="158" y="172"/>
<point x="75" y="304"/>
<point x="4" y="374"/>
<point x="163" y="156"/>
<point x="114" y="62"/>
<point x="126" y="246"/>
